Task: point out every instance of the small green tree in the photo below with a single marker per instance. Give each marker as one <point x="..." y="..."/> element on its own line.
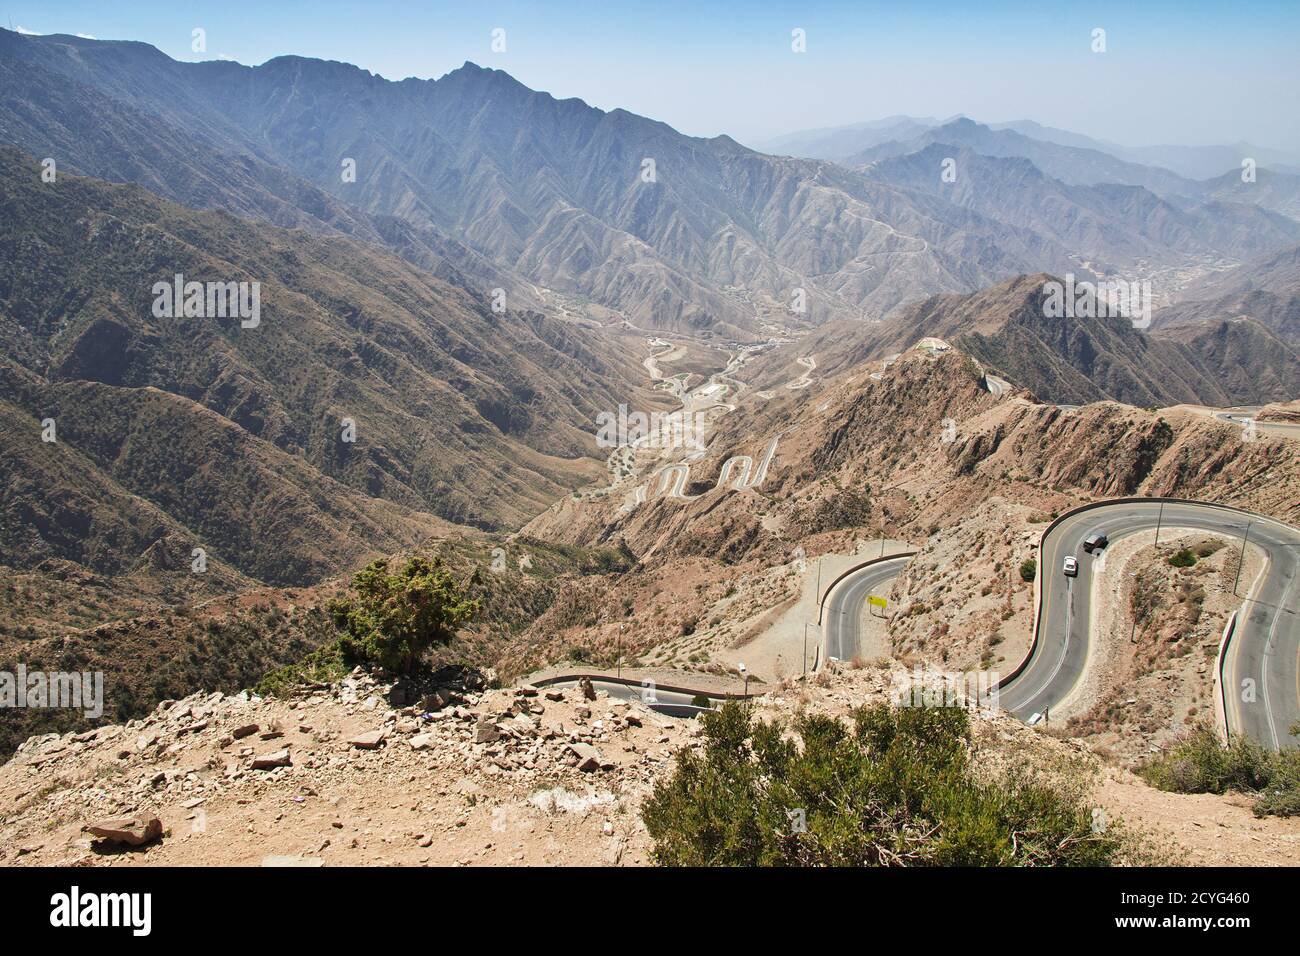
<point x="896" y="788"/>
<point x="392" y="619"/>
<point x="1200" y="762"/>
<point x="1028" y="568"/>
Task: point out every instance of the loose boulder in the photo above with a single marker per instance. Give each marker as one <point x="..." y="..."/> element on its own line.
<point x="127" y="831"/>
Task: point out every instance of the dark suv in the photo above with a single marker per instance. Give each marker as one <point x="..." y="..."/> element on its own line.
<point x="1095" y="542"/>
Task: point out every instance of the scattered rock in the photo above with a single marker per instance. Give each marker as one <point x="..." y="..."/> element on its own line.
<point x="589" y="758"/>
<point x="614" y="852"/>
<point x="486" y="731"/>
<point x="277" y="758"/>
<point x="127" y="831"/>
<point x="369" y="740"/>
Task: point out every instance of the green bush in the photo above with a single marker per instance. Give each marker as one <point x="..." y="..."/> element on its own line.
<point x="897" y="789"/>
<point x="324" y="665"/>
<point x="394" y="618"/>
<point x="1183" y="559"/>
<point x="1201" y="763"/>
<point x="1028" y="568"/>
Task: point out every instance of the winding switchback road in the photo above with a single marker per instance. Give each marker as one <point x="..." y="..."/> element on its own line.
<point x="1261" y="667"/>
<point x="842" y="616"/>
<point x="1264" y="651"/>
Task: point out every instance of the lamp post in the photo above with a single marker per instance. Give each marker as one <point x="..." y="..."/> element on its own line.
<point x="745" y="674"/>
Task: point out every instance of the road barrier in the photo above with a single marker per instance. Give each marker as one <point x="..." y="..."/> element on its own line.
<point x="630" y="682"/>
<point x="1221" y="697"/>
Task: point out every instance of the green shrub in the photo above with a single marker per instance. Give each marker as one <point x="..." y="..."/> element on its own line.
<point x="1183" y="559"/>
<point x="1028" y="568"/>
<point x="325" y="665"/>
<point x="1201" y="763"/>
<point x="897" y="789"/>
<point x="394" y="618"/>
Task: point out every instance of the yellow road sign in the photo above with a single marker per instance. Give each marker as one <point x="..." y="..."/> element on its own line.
<point x="876" y="601"/>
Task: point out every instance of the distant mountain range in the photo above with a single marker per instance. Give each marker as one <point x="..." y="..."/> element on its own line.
<point x="1114" y="226"/>
<point x="839" y="143"/>
<point x="478" y="175"/>
<point x="489" y="184"/>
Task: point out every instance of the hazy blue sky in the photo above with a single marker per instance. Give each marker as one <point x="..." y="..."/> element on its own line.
<point x="1188" y="72"/>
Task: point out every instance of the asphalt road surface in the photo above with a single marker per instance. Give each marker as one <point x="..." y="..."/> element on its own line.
<point x="1245" y="415"/>
<point x="672" y="703"/>
<point x="842" y="619"/>
<point x="1265" y="651"/>
<point x="1261" y="669"/>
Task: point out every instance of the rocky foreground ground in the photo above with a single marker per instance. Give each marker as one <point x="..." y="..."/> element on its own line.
<point x="362" y="773"/>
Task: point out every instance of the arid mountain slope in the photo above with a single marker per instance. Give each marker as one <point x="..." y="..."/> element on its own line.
<point x="1110" y="226"/>
<point x="917" y="451"/>
<point x="64" y="115"/>
<point x="478" y="417"/>
<point x="1069" y="360"/>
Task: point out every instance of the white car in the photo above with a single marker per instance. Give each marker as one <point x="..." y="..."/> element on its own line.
<point x="1071" y="566"/>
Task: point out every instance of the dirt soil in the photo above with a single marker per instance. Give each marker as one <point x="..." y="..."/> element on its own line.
<point x="492" y="778"/>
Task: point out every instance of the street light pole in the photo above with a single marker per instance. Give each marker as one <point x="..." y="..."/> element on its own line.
<point x="1159" y="519"/>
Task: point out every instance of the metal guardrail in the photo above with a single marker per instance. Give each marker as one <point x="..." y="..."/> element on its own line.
<point x="629" y="682"/>
<point x="1221" y="699"/>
